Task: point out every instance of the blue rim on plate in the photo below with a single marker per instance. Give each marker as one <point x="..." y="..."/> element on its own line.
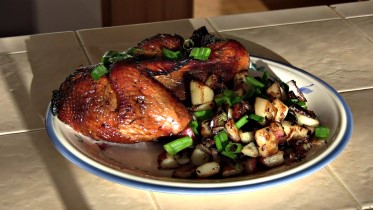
<point x="101" y="172"/>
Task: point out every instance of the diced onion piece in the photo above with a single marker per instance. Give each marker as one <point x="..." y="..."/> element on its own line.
<point x="208" y="169"/>
<point x="200" y="93"/>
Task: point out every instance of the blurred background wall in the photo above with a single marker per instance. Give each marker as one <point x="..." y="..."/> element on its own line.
<point x="23" y="17"/>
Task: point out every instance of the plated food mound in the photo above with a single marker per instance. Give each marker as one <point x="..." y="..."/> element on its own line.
<point x="216" y="114"/>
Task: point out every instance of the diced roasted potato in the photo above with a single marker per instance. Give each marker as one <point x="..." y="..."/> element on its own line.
<point x="202" y="107"/>
<point x="306" y="120"/>
<point x="206" y="129"/>
<point x="250" y="150"/>
<point x="213" y="82"/>
<point x="232" y="130"/>
<point x="167" y="161"/>
<point x="303" y="116"/>
<point x="273" y="160"/>
<point x="199" y="156"/>
<point x="208" y="169"/>
<point x="295" y="131"/>
<point x="240" y="77"/>
<point x="265" y="108"/>
<point x="266" y="140"/>
<point x="282" y="110"/>
<point x="277" y="130"/>
<point x="246" y="136"/>
<point x="200" y="93"/>
<point x="274" y="91"/>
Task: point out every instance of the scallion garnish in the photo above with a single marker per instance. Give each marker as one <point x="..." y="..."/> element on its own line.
<point x="256" y="117"/>
<point x="322" y="132"/>
<point x="221" y="99"/>
<point x="204" y="114"/>
<point x="223" y="136"/>
<point x="194" y="126"/>
<point x="218" y="143"/>
<point x="200" y="53"/>
<point x="177" y="145"/>
<point x="171" y="55"/>
<point x="254" y="82"/>
<point x="242" y="121"/>
<point x="229" y="154"/>
<point x="98" y="72"/>
<point x="234" y="148"/>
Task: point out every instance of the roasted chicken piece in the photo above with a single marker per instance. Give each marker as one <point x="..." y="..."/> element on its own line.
<point x="140" y="98"/>
<point x="126" y="106"/>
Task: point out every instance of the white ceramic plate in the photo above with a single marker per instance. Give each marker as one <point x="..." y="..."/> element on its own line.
<point x="136" y="165"/>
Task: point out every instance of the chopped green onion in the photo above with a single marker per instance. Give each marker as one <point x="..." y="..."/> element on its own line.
<point x="218" y="143"/>
<point x="302" y="104"/>
<point x="229" y="154"/>
<point x="322" y="132"/>
<point x="242" y="121"/>
<point x="265" y="76"/>
<point x="234" y="147"/>
<point x="200" y="53"/>
<point x="171" y="55"/>
<point x="177" y="145"/>
<point x="106" y="58"/>
<point x="254" y="82"/>
<point x="221" y="99"/>
<point x="203" y="114"/>
<point x="98" y="72"/>
<point x="194" y="126"/>
<point x="223" y="136"/>
<point x="256" y="117"/>
<point x="113" y="56"/>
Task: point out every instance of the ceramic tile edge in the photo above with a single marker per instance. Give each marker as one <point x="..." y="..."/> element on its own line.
<point x="344" y="187"/>
<point x="360" y="9"/>
<point x="328" y="14"/>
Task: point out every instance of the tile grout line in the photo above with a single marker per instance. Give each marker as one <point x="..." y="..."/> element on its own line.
<point x="334" y="9"/>
<point x="155" y="202"/>
<point x="21" y="131"/>
<point x="80" y="41"/>
<point x="344" y="187"/>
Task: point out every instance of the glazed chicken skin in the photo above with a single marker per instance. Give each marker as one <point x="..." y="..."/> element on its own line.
<point x="140" y="99"/>
<point x="125" y="107"/>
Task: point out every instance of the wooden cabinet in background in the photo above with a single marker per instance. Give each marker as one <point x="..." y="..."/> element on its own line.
<point x="124" y="12"/>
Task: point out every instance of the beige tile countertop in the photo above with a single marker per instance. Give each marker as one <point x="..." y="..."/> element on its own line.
<point x="334" y="43"/>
